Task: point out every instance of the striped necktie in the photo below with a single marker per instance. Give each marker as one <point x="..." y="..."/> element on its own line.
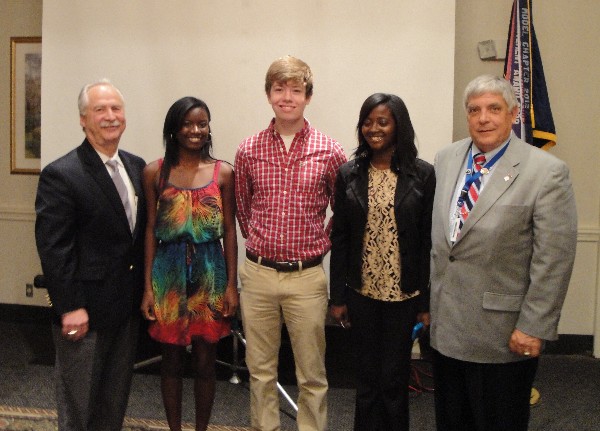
<point x="122" y="189"/>
<point x="473" y="194"/>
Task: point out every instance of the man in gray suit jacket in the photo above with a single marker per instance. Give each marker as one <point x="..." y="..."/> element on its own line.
<point x="89" y="232"/>
<point x="501" y="260"/>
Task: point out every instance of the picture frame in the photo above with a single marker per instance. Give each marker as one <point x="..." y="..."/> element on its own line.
<point x="25" y="104"/>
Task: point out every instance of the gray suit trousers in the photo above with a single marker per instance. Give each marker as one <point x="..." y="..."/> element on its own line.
<point x="93" y="377"/>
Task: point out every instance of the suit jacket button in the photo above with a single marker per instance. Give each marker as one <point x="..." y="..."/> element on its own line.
<point x="451" y="258"/>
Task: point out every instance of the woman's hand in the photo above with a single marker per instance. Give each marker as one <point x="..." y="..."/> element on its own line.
<point x="230" y="301"/>
<point x="340" y="315"/>
<point x="424" y="318"/>
<point x="147" y="306"/>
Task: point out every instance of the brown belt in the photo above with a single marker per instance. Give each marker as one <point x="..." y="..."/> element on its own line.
<point x="285" y="266"/>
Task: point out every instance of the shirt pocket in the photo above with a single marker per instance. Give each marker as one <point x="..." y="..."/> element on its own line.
<point x="308" y="177"/>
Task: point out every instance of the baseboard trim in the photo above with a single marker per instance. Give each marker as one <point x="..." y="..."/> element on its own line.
<point x="24" y="313"/>
<point x="567" y="344"/>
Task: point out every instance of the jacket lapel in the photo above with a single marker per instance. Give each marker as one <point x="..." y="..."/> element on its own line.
<point x="98" y="172"/>
<point x="453" y="166"/>
<point x="403" y="187"/>
<point x="359" y="184"/>
<point x="135" y="175"/>
<point x="504" y="175"/>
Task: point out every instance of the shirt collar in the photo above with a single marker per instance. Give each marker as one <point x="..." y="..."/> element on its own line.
<point x="302" y="133"/>
<point x="489" y="155"/>
<point x="105" y="158"/>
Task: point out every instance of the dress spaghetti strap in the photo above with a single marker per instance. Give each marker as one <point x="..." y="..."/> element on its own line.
<point x="216" y="171"/>
<point x="161" y="178"/>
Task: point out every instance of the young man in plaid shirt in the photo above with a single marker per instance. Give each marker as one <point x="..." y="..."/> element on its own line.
<point x="284" y="182"/>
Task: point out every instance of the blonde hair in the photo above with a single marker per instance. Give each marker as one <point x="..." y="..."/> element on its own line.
<point x="289" y="68"/>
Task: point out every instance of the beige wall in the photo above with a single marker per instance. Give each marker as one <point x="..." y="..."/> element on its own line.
<point x="353" y="51"/>
<point x="18" y="258"/>
<point x="567" y="38"/>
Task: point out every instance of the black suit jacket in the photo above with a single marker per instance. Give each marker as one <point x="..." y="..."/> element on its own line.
<point x="89" y="256"/>
<point x="413" y="202"/>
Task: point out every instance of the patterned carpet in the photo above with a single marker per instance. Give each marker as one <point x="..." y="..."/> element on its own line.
<point x="27" y="419"/>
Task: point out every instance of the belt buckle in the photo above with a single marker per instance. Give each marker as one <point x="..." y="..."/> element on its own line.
<point x="285" y="266"/>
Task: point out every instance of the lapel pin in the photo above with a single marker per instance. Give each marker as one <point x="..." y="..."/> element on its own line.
<point x="506" y="178"/>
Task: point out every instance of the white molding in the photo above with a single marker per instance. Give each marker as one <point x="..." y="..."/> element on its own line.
<point x="592" y="234"/>
<point x="588" y="234"/>
<point x="23" y="214"/>
<point x="584" y="234"/>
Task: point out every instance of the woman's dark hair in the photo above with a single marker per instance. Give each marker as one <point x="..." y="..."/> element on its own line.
<point x="405" y="150"/>
<point x="173" y="123"/>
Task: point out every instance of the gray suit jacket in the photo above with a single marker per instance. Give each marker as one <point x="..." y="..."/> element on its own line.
<point x="511" y="266"/>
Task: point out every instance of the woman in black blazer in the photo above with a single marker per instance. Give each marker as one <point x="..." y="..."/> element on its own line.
<point x="381" y="240"/>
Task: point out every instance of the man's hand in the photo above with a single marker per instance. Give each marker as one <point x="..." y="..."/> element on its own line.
<point x="75" y="324"/>
<point x="525" y="345"/>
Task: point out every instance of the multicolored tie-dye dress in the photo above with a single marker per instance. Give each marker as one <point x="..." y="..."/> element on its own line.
<point x="188" y="272"/>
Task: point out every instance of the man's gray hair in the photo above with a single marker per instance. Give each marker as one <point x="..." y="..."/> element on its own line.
<point x="490" y="84"/>
<point x="83" y="100"/>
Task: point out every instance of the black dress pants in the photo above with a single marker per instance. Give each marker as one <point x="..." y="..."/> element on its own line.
<point x="382" y="343"/>
<point x="482" y="397"/>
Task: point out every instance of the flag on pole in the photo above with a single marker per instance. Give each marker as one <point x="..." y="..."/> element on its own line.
<point x="523" y="69"/>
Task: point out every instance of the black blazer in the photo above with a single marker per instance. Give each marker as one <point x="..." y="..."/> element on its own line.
<point x="89" y="256"/>
<point x="413" y="203"/>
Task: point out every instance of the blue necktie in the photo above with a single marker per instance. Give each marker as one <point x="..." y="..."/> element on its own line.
<point x="473" y="194"/>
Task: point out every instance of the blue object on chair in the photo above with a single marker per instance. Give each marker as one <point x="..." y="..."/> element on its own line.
<point x="417" y="330"/>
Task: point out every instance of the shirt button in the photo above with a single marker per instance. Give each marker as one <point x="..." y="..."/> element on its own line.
<point x="131" y="267"/>
<point x="451" y="258"/>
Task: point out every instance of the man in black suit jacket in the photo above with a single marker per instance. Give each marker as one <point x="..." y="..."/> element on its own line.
<point x="91" y="250"/>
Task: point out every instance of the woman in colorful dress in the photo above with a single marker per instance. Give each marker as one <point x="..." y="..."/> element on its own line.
<point x="381" y="239"/>
<point x="190" y="289"/>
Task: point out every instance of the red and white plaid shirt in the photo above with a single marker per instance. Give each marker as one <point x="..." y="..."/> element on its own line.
<point x="282" y="196"/>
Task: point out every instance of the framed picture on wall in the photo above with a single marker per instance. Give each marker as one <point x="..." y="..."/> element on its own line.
<point x="25" y="104"/>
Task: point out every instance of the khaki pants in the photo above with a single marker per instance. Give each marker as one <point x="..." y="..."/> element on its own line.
<point x="269" y="298"/>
